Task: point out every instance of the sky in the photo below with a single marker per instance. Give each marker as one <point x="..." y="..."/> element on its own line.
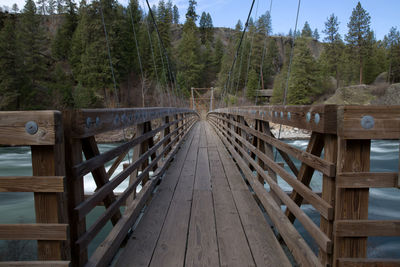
<point x="226" y="13"/>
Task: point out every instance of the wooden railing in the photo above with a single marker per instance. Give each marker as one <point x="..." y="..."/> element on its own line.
<point x="58" y="142"/>
<point x="344" y="135"/>
<point x="43" y="132"/>
<point x="149" y="155"/>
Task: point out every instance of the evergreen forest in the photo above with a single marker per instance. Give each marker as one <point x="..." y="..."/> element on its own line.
<point x="60" y="54"/>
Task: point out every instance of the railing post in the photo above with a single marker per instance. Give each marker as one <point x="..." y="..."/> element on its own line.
<point x="48" y="160"/>
<point x="73" y="156"/>
<point x="328" y="194"/>
<point x="351" y="203"/>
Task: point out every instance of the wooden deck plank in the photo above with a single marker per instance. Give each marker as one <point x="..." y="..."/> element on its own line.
<point x="171" y="245"/>
<point x="202" y="249"/>
<point x="232" y="244"/>
<point x="141" y="245"/>
<point x="265" y="248"/>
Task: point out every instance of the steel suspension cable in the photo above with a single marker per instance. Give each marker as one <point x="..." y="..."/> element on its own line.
<point x="109" y="55"/>
<point x="138" y="53"/>
<point x="154" y="60"/>
<point x="263" y="55"/>
<point x="250" y="52"/>
<point x="237" y="52"/>
<point x="289" y="69"/>
<point x="163" y="47"/>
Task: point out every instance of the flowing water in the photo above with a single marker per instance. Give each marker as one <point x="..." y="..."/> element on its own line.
<point x="19" y="207"/>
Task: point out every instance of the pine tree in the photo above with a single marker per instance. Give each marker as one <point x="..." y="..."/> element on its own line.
<point x="218" y="54"/>
<point x="332" y="53"/>
<point x="15" y="8"/>
<point x="42" y="6"/>
<point x="303" y="83"/>
<point x="61" y="45"/>
<point x="10" y="65"/>
<point x="392" y="42"/>
<point x="316" y="34"/>
<point x="175" y="15"/>
<point x="51" y="7"/>
<point x="252" y="84"/>
<point x="203" y="27"/>
<point x="209" y="28"/>
<point x="306" y="32"/>
<point x="359" y="30"/>
<point x="264" y="24"/>
<point x="33" y="43"/>
<point x="191" y="12"/>
<point x="189" y="67"/>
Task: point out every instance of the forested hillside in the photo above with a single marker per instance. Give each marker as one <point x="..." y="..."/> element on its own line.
<point x="63" y="54"/>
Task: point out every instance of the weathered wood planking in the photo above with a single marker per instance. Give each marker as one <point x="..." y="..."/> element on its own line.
<point x="265" y="248"/>
<point x="202" y="249"/>
<point x="38" y="231"/>
<point x="13" y="132"/>
<point x="328" y="194"/>
<point x="144" y="238"/>
<point x="367" y="179"/>
<point x="232" y="243"/>
<point x="325" y="209"/>
<point x="319" y="118"/>
<point x="170" y="248"/>
<point x="314" y="147"/>
<point x="362" y="262"/>
<point x="50" y="207"/>
<point x="35" y="263"/>
<point x="369" y="122"/>
<point x="107" y="249"/>
<point x="89" y="122"/>
<point x="362" y="228"/>
<point x="311" y="160"/>
<point x="302" y="253"/>
<point x="321" y="239"/>
<point x="49" y="184"/>
<point x="352" y="203"/>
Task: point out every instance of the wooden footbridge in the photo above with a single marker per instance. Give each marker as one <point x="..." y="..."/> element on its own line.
<point x="201" y="192"/>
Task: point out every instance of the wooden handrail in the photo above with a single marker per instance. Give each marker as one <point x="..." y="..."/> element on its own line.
<point x="344" y="132"/>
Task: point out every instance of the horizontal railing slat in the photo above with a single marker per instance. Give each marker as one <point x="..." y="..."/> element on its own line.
<point x="367" y="179"/>
<point x="297" y="245"/>
<point x="318" y="203"/>
<point x="85" y="207"/>
<point x="49" y="184"/>
<point x="362" y="262"/>
<point x="313" y="161"/>
<point x="322" y="240"/>
<point x="37" y="231"/>
<point x="35" y="263"/>
<point x="362" y="228"/>
<point x="98" y="161"/>
<point x="85" y="239"/>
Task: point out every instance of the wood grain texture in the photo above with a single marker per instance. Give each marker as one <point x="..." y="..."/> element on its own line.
<point x="140" y="247"/>
<point x="321" y="239"/>
<point x="114" y="119"/>
<point x="386" y="124"/>
<point x="300" y="250"/>
<point x="361" y="262"/>
<point x="12" y="127"/>
<point x="50" y="184"/>
<point x="361" y="228"/>
<point x="107" y="249"/>
<point x="305" y="157"/>
<point x="49" y="207"/>
<point x="367" y="179"/>
<point x="352" y="204"/>
<point x="328" y="194"/>
<point x="324" y="208"/>
<point x="38" y="231"/>
<point x="314" y="147"/>
<point x="298" y="116"/>
<point x="36" y="263"/>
